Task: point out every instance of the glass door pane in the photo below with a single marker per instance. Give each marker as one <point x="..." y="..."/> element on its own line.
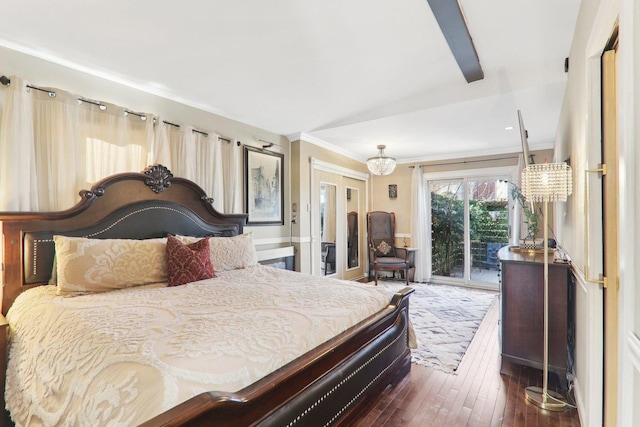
<point x="353" y="232"/>
<point x="328" y="226"/>
<point x="488" y="226"/>
<point x="447" y="228"/>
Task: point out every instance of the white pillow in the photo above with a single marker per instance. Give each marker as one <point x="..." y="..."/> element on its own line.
<point x="229" y="253"/>
<point x="99" y="265"/>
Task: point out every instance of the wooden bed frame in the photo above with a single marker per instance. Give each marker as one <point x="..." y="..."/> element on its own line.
<point x="330" y="385"/>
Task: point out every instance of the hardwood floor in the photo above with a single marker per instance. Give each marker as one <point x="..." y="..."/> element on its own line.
<point x="477" y="395"/>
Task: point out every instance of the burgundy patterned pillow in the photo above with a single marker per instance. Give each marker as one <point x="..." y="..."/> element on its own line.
<point x="188" y="263"/>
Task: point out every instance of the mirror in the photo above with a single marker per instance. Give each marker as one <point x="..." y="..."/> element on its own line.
<point x="328" y="228"/>
<point x="353" y="254"/>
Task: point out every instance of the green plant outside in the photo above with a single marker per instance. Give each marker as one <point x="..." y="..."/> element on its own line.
<point x="488" y="224"/>
<point x="531" y="220"/>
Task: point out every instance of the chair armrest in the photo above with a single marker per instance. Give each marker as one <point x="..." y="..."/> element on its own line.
<point x="402" y="253"/>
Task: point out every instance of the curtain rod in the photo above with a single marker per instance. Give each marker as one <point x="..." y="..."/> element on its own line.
<point x="467" y="161"/>
<point x="227" y="140"/>
<point x="6" y="81"/>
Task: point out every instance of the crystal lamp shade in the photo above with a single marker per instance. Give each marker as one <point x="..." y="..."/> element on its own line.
<point x="381" y="164"/>
<point x="547" y="182"/>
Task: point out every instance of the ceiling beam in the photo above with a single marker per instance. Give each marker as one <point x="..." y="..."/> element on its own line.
<point x="454" y="28"/>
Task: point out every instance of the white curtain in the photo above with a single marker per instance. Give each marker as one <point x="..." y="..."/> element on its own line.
<point x="53" y="145"/>
<point x="193" y="156"/>
<point x="231" y="167"/>
<point x="419" y="224"/>
<point x="18" y="178"/>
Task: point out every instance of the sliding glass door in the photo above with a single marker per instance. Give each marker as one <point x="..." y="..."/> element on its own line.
<point x="469" y="223"/>
<point x="448" y="228"/>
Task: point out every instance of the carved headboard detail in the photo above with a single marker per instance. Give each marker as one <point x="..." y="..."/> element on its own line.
<point x="159" y="178"/>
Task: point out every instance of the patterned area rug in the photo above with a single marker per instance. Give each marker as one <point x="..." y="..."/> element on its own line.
<point x="445" y="319"/>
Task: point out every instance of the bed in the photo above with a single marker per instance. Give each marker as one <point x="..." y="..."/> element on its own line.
<point x="325" y="371"/>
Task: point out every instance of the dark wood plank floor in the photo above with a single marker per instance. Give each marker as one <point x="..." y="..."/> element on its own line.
<point x="477" y="395"/>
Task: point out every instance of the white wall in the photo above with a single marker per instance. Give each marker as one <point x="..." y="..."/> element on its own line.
<point x="629" y="197"/>
<point x="578" y="137"/>
<point x="572" y="140"/>
<point x="47" y="74"/>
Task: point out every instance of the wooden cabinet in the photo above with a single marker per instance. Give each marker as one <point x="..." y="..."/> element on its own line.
<point x="4" y="326"/>
<point x="522" y="311"/>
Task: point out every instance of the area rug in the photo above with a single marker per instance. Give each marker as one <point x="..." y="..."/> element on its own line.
<point x="445" y="319"/>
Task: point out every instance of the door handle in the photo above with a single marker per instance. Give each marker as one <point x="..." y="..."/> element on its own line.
<point x="602" y="279"/>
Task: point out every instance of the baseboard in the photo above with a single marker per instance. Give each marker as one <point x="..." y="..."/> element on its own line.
<point x="577" y="391"/>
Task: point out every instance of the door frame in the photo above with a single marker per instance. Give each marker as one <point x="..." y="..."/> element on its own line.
<point x="611" y="234"/>
<point x="320" y="165"/>
<point x="463" y="174"/>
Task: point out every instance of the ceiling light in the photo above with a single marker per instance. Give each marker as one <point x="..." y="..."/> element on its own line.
<point x="381" y="164"/>
<point x="508" y="128"/>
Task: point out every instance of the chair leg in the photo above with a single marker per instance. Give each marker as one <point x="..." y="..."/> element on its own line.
<point x="406" y="275"/>
<point x="375" y="274"/>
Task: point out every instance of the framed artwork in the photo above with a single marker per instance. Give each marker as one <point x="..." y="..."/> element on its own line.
<point x="264" y="186"/>
<point x="393" y="191"/>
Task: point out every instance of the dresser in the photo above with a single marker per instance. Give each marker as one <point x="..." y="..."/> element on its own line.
<point x="522" y="311"/>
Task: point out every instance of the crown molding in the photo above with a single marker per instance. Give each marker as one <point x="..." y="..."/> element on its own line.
<point x="301" y="136"/>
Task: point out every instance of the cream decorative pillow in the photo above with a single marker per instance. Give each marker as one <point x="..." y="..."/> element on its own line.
<point x="229" y="253"/>
<point x="99" y="265"/>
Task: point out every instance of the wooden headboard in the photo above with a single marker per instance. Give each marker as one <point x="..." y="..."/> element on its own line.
<point x="143" y="205"/>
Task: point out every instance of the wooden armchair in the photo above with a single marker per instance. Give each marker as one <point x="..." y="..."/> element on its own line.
<point x="383" y="255"/>
<point x="328" y="258"/>
<point x="352" y="240"/>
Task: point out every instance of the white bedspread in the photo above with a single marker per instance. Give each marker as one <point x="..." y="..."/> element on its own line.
<point x="121" y="357"/>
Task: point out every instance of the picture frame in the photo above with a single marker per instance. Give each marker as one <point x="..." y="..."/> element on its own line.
<point x="393" y="191"/>
<point x="263" y="186"/>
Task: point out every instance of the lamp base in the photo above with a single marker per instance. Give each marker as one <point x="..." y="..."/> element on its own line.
<point x="551" y="402"/>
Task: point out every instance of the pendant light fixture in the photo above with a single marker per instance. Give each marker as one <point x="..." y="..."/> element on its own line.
<point x="381" y="164"/>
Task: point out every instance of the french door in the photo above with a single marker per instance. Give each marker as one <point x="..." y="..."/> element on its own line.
<point x="469" y="223"/>
<point x="338" y="241"/>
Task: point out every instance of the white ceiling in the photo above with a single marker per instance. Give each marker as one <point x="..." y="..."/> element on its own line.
<point x="351" y="73"/>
